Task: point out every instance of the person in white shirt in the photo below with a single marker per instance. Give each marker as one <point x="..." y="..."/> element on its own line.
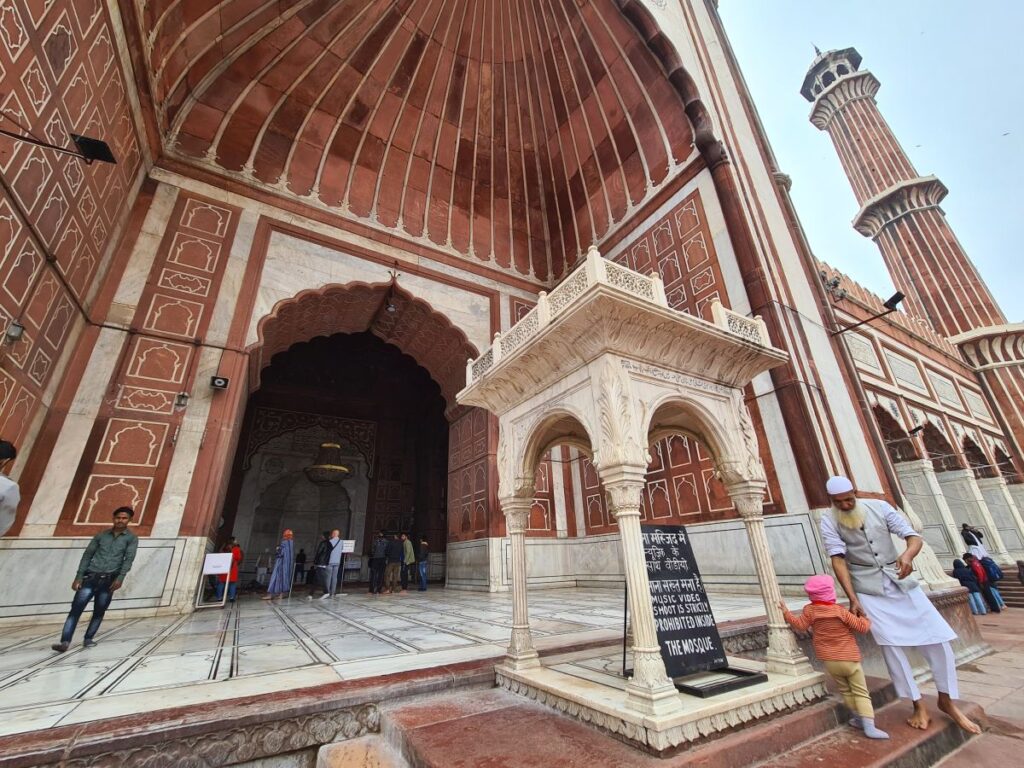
<point x="857" y="534"/>
<point x="10" y="495"/>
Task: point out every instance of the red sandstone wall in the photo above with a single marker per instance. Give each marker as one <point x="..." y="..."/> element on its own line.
<point x="129" y="450"/>
<point x="58" y="74"/>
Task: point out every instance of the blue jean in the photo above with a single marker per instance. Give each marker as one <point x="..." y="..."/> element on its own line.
<point x="94" y="587"/>
<point x="232" y="591"/>
<point x="423" y="575"/>
<point x="997" y="596"/>
<point x="977" y="604"/>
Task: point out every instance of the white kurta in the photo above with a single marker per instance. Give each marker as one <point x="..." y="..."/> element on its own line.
<point x="898" y="617"/>
<point x="905" y="618"/>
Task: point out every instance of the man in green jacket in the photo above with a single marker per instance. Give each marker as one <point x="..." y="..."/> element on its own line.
<point x="106" y="561"/>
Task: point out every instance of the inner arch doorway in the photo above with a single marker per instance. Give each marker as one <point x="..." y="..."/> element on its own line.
<point x="368" y="367"/>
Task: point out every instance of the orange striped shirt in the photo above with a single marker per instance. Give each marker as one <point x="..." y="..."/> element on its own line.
<point x="831" y="627"/>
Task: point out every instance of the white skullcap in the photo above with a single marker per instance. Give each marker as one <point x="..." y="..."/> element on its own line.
<point x="837" y="485"/>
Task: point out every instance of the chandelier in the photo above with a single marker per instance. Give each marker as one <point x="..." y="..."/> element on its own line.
<point x="327" y="469"/>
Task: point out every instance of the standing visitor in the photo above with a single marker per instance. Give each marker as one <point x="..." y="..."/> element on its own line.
<point x="378" y="562"/>
<point x="300" y="567"/>
<point x="832" y="628"/>
<point x="408" y="561"/>
<point x="10" y="495"/>
<point x="230" y="578"/>
<point x="424" y="556"/>
<point x="101" y="571"/>
<point x="967" y="579"/>
<point x="333" y="565"/>
<point x="972" y="538"/>
<point x="878" y="582"/>
<point x="284" y="566"/>
<point x="392" y="572"/>
<point x="995" y="575"/>
<point x="321" y="558"/>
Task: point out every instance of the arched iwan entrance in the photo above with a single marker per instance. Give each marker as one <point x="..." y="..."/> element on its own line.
<point x="374" y="369"/>
<point x="603" y="364"/>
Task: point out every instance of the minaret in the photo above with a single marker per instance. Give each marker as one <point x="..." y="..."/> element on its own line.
<point x="899" y="209"/>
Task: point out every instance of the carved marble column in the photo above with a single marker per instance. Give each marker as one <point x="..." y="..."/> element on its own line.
<point x="929" y="568"/>
<point x="967" y="503"/>
<point x="521" y="653"/>
<point x="649" y="690"/>
<point x="784" y="655"/>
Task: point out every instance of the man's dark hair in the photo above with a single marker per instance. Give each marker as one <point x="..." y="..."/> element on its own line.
<point x="127" y="510"/>
<point x="326" y="534"/>
<point x="7" y="450"/>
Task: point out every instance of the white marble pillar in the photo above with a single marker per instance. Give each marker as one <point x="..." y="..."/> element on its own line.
<point x="929" y="568"/>
<point x="784" y="655"/>
<point x="921" y="489"/>
<point x="1017" y="494"/>
<point x="967" y="503"/>
<point x="1005" y="513"/>
<point x="521" y="653"/>
<point x="649" y="690"/>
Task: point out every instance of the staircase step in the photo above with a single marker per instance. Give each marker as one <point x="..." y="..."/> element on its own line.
<point x="906" y="747"/>
<point x="499" y="729"/>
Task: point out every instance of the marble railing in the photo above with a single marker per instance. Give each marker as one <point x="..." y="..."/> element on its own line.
<point x="596" y="270"/>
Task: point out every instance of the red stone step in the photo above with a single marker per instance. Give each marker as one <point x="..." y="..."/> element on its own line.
<point x="500" y="730"/>
<point x="906" y="748"/>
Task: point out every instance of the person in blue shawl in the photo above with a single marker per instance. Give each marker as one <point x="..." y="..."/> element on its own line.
<point x="284" y="568"/>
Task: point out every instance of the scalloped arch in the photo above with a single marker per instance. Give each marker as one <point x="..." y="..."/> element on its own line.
<point x="416" y="328"/>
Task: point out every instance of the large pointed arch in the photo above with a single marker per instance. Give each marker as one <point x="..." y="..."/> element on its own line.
<point x="387" y="311"/>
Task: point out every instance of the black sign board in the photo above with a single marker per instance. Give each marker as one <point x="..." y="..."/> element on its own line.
<point x="687" y="632"/>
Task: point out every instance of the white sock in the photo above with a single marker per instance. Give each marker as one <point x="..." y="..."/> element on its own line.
<point x="870" y="731"/>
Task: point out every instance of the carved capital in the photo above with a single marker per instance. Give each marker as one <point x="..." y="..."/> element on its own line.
<point x="517" y="512"/>
<point x="624" y="497"/>
<point x="748" y="496"/>
<point x="859" y="85"/>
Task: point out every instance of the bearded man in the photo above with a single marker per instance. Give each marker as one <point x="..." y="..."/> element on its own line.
<point x="878" y="582"/>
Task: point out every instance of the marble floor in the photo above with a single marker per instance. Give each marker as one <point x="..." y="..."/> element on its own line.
<point x="255" y="647"/>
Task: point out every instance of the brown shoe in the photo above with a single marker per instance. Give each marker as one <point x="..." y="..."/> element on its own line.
<point x="59" y="647"/>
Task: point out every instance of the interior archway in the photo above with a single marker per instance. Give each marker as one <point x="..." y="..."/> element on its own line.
<point x="977" y="460"/>
<point x="387" y="414"/>
<point x="939" y="449"/>
<point x="898" y="443"/>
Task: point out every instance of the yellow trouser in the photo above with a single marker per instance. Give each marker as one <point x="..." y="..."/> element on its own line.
<point x="849" y="676"/>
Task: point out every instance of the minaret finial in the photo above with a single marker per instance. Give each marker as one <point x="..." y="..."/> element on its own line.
<point x="817" y="51"/>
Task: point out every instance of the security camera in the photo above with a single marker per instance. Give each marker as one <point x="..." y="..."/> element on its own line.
<point x="219" y="382"/>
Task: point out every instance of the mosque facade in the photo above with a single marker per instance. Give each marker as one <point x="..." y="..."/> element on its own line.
<point x="330" y="206"/>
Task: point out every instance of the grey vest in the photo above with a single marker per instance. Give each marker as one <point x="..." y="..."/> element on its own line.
<point x="871" y="555"/>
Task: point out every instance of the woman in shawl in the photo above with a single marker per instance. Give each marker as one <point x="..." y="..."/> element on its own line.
<point x="284" y="567"/>
<point x="967" y="579"/>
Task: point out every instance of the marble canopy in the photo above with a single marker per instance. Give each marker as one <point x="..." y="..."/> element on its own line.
<point x="602" y="363"/>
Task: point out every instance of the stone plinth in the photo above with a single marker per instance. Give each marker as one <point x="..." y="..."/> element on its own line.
<point x="601" y="701"/>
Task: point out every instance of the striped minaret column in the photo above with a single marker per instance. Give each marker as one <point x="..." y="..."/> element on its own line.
<point x="899" y="209"/>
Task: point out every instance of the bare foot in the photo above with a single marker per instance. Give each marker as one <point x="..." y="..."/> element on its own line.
<point x="947" y="706"/>
<point x="920" y="719"/>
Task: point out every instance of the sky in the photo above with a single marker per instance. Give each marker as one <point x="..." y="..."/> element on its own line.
<point x="952" y="91"/>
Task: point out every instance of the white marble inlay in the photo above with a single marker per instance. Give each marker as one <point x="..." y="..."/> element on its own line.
<point x="254" y="647"/>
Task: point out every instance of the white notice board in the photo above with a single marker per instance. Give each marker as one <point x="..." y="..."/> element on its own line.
<point x="348" y="546"/>
<point x="217" y="564"/>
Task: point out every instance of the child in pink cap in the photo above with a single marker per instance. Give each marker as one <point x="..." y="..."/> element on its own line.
<point x="832" y="628"/>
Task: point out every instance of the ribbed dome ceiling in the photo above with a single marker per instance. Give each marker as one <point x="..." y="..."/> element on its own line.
<point x="515" y="131"/>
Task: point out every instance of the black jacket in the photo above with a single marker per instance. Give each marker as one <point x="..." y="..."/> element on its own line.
<point x="395" y="551"/>
<point x="963" y="573"/>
